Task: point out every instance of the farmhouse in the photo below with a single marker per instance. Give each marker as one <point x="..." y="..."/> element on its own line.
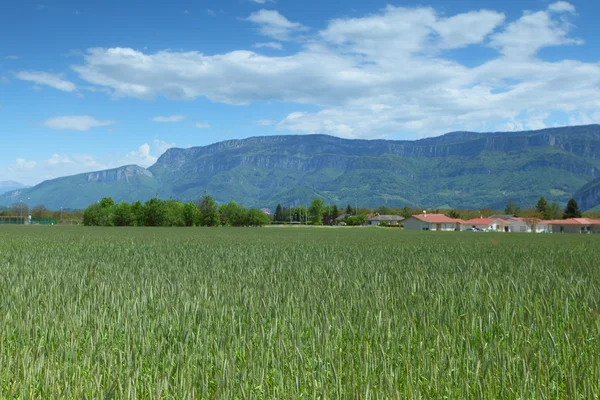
<point x="575" y="225"/>
<point x="487" y="224"/>
<point x="376" y="220"/>
<point x="534" y="225"/>
<point x="432" y="222"/>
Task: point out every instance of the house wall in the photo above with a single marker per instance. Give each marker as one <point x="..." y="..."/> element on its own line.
<point x="569" y="228"/>
<point x="413" y="224"/>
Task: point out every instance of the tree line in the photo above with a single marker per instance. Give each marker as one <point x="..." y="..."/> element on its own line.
<point x="545" y="211"/>
<point x="171" y="213"/>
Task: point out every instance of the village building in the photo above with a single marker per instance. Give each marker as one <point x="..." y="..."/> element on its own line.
<point x="432" y="222"/>
<point x="575" y="225"/>
<point x="486" y="224"/>
<point x="377" y="220"/>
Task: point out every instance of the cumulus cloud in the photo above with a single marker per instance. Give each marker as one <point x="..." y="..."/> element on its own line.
<point x="391" y="73"/>
<point x="161" y="146"/>
<point x="44" y="78"/>
<point x="273" y="24"/>
<point x="561" y="7"/>
<point x="172" y="118"/>
<point x="24" y="164"/>
<point x="141" y="156"/>
<point x="202" y="125"/>
<point x="75" y="123"/>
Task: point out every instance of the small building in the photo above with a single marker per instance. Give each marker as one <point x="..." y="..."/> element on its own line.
<point x="575" y="225"/>
<point x="486" y="224"/>
<point x="519" y="224"/>
<point x="377" y="220"/>
<point x="432" y="222"/>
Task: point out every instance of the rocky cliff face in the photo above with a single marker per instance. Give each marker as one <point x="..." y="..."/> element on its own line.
<point x="122" y="174"/>
<point x="460" y="169"/>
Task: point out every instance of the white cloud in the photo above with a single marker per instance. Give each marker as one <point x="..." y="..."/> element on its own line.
<point x="385" y="74"/>
<point x="271" y="45"/>
<point x="58" y="159"/>
<point x="561" y="7"/>
<point x="532" y="32"/>
<point x="171" y="118"/>
<point x="273" y="24"/>
<point x="161" y="146"/>
<point x="75" y="123"/>
<point x="24" y="164"/>
<point x="211" y="12"/>
<point x="44" y="78"/>
<point x="141" y="156"/>
<point x="265" y="122"/>
<point x="11" y="57"/>
<point x="202" y="125"/>
<point x="262" y="1"/>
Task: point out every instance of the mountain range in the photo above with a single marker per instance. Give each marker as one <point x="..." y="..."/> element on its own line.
<point x="458" y="170"/>
<point x="9" y="186"/>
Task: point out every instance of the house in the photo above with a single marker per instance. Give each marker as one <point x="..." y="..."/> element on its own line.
<point x="575" y="225"/>
<point x="518" y="224"/>
<point x="376" y="220"/>
<point x="486" y="224"/>
<point x="432" y="222"/>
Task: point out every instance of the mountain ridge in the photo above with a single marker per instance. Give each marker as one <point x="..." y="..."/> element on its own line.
<point x="463" y="169"/>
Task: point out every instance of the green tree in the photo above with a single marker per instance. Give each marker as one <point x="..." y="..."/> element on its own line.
<point x="543" y="208"/>
<point x="555" y="211"/>
<point x="107" y="202"/>
<point x="279" y="215"/>
<point x="316" y="211"/>
<point x="406" y="212"/>
<point x="255" y="217"/>
<point x="572" y="210"/>
<point x="123" y="216"/>
<point x="335" y="212"/>
<point x="453" y="214"/>
<point x="138" y="213"/>
<point x="209" y="212"/>
<point x="191" y="214"/>
<point x="512" y="209"/>
<point x="349" y="210"/>
<point x="92" y="215"/>
<point x="155" y="213"/>
<point x="231" y="214"/>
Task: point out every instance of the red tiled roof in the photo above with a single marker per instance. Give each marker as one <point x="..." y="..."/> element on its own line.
<point x="485" y="221"/>
<point x="575" y="221"/>
<point x="437" y="219"/>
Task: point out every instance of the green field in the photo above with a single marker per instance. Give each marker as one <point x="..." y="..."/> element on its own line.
<point x="289" y="312"/>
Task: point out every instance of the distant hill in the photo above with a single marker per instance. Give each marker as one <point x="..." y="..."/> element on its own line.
<point x="9" y="186"/>
<point x="459" y="169"/>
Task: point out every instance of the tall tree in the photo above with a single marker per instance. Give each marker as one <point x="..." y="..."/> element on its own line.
<point x="209" y="211"/>
<point x="191" y="214"/>
<point x="572" y="210"/>
<point x="123" y="216"/>
<point x="555" y="211"/>
<point x="335" y="212"/>
<point x="349" y="210"/>
<point x="316" y="212"/>
<point x="279" y="216"/>
<point x="512" y="209"/>
<point x="406" y="212"/>
<point x="543" y="208"/>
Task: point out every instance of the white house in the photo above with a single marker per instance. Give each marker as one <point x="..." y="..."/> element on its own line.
<point x="487" y="224"/>
<point x="535" y="225"/>
<point x="432" y="222"/>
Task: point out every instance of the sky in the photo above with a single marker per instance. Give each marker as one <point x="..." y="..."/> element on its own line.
<point x="87" y="85"/>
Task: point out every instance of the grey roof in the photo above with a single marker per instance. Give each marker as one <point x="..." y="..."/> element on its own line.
<point x="386" y="218"/>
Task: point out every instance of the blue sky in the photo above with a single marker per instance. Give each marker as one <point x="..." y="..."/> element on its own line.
<point x="93" y="85"/>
